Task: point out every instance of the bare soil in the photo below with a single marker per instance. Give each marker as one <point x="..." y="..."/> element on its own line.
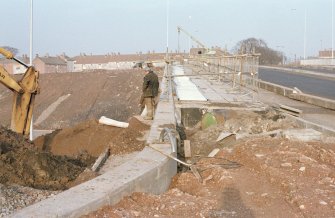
<point x="92" y="138"/>
<point x="255" y="176"/>
<point x="114" y="94"/>
<point x="21" y="163"/>
<point x="56" y="160"/>
<point x="63" y="158"/>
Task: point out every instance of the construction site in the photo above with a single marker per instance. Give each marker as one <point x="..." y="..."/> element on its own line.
<point x="223" y="143"/>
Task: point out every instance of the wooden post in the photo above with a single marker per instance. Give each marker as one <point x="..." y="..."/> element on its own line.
<point x="187" y="148"/>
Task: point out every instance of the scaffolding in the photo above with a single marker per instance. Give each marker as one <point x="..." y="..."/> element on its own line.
<point x="238" y="72"/>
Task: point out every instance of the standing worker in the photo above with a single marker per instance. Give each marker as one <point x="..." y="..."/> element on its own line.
<point x="150" y="91"/>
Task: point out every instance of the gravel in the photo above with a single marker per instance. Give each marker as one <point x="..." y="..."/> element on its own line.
<point x="15" y="197"/>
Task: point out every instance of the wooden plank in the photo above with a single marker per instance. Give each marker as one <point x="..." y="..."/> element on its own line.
<point x="214" y="152"/>
<point x="101" y="160"/>
<point x="294" y="110"/>
<point x="187" y="148"/>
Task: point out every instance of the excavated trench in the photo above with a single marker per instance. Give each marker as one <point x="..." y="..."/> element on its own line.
<point x="56" y="160"/>
<point x="32" y="171"/>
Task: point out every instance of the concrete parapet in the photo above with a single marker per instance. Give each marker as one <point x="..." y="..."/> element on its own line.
<point x="290" y="93"/>
<point x="315" y="100"/>
<point x="278" y="89"/>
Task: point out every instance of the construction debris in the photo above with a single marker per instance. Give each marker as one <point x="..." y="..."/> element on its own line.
<point x="111" y="122"/>
<point x="187" y="148"/>
<point x="101" y="160"/>
<point x="214" y="152"/>
<point x="225" y="135"/>
<point x="290" y="110"/>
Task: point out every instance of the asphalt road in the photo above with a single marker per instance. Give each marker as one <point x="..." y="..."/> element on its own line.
<point x="315" y="69"/>
<point x="308" y="84"/>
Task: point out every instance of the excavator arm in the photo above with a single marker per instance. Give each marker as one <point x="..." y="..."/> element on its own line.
<point x="24" y="95"/>
<point x="8" y="81"/>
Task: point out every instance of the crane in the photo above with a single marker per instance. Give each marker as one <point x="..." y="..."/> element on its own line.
<point x="179" y="28"/>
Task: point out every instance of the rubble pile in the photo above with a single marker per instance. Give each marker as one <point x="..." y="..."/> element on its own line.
<point x="254" y="174"/>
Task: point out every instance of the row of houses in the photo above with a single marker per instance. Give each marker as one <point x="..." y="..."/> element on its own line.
<point x="63" y="63"/>
<point x="325" y="58"/>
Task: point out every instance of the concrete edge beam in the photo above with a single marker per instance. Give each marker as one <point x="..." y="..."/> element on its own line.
<point x="307" y="124"/>
<point x="288" y="92"/>
<point x="314" y="100"/>
<point x="150" y="172"/>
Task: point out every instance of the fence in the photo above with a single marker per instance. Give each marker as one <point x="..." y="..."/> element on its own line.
<point x="239" y="72"/>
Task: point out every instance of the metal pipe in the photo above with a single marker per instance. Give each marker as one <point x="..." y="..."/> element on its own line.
<point x="171" y="136"/>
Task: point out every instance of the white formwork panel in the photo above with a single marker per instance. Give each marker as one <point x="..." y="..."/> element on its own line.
<point x="186" y="90"/>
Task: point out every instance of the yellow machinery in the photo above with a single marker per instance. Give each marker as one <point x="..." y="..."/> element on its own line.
<point x="25" y="91"/>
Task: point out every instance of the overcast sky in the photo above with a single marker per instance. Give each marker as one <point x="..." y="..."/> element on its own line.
<point x="130" y="26"/>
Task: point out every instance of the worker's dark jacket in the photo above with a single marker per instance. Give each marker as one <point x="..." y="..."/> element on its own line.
<point x="150" y="85"/>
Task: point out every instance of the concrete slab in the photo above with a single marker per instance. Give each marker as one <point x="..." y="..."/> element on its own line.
<point x="302" y="134"/>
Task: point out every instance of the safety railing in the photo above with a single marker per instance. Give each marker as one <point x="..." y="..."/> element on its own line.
<point x="240" y="72"/>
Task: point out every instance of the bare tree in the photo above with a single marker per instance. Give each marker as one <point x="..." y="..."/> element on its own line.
<point x="268" y="55"/>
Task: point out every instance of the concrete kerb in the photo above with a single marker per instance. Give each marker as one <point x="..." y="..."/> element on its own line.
<point x="149" y="171"/>
<point x="288" y="92"/>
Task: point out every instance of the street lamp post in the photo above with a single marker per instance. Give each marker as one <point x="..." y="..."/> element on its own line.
<point x="31" y="58"/>
<point x="305" y="35"/>
<point x="282" y="53"/>
<point x="332" y="29"/>
<point x="305" y="30"/>
<point x="189" y="38"/>
<point x="167" y="27"/>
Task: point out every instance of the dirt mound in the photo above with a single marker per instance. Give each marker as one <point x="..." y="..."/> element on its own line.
<point x="21" y="163"/>
<point x="67" y="99"/>
<point x="91" y="138"/>
<point x="129" y="139"/>
<point x="270" y="176"/>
